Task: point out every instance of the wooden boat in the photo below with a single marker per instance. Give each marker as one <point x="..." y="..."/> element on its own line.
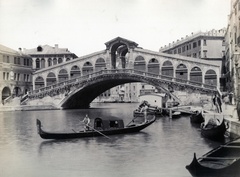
<point x="176" y="114"/>
<point x="223" y="161"/>
<point x="214" y="126"/>
<point x="101" y="127"/>
<point x="197" y="118"/>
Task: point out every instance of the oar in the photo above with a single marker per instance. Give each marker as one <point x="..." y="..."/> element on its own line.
<point x="98" y="131"/>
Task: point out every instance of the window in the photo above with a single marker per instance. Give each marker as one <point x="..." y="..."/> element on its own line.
<point x="7" y="76"/>
<point x="205" y="54"/>
<point x="194" y="55"/>
<point x="199" y="43"/>
<point x="199" y="55"/>
<point x="15" y="76"/>
<point x="8" y="59"/>
<point x="4" y="75"/>
<point x="204" y="42"/>
<point x="183" y="49"/>
<point x="189" y="46"/>
<point x="18" y="77"/>
<point x="179" y="50"/>
<point x="175" y="51"/>
<point x="194" y="45"/>
<point x="37" y="63"/>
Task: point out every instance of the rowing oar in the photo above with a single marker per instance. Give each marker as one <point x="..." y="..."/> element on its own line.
<point x="98" y="131"/>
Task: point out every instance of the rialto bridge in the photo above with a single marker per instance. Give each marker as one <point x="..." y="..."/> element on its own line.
<point x="77" y="82"/>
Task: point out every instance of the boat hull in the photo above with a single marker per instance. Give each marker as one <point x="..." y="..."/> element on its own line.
<point x="222" y="161"/>
<point x="214" y="133"/>
<point x="196" y="118"/>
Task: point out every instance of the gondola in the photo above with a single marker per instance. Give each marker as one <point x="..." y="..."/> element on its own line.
<point x="223" y="161"/>
<point x="196" y="118"/>
<point x="216" y="130"/>
<point x="101" y="127"/>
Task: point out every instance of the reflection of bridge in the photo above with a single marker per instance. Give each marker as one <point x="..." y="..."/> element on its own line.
<point x="77" y="82"/>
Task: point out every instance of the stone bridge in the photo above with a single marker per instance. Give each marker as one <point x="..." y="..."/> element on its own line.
<point x="77" y="82"/>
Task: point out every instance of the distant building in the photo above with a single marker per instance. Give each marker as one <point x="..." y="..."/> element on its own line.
<point x="208" y="45"/>
<point x="46" y="56"/>
<point x="232" y="61"/>
<point x="15" y="73"/>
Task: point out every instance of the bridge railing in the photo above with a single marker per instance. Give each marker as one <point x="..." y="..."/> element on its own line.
<point x="120" y="71"/>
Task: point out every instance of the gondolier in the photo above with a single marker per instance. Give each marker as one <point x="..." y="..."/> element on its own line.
<point x="86" y="121"/>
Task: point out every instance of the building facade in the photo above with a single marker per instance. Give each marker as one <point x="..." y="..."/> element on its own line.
<point x="208" y="45"/>
<point x="15" y="73"/>
<point x="232" y="62"/>
<point x="46" y="56"/>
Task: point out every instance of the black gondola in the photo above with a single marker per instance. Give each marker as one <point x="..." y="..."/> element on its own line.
<point x="197" y="118"/>
<point x="101" y="127"/>
<point x="214" y="130"/>
<point x="223" y="161"/>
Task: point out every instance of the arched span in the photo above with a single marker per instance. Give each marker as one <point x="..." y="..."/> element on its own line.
<point x="86" y="91"/>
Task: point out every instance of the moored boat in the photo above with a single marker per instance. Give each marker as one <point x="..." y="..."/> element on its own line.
<point x="197" y="118"/>
<point x="101" y="127"/>
<point x="223" y="161"/>
<point x="214" y="126"/>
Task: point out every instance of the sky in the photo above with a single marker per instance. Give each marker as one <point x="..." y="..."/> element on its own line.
<point x="83" y="26"/>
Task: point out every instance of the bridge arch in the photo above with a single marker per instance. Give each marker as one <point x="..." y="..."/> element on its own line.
<point x="62" y="75"/>
<point x="181" y="73"/>
<point x="153" y="66"/>
<point x="100" y="64"/>
<point x="139" y="63"/>
<point x="210" y="77"/>
<point x="196" y="75"/>
<point x="75" y="72"/>
<point x="51" y="79"/>
<point x="167" y="70"/>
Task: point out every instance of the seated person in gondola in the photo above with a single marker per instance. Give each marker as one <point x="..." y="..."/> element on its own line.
<point x="86" y="121"/>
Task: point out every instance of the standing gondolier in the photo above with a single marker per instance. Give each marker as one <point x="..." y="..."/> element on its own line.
<point x="86" y="121"/>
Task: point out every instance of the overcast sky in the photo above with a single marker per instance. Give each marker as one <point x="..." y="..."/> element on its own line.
<point x="83" y="26"/>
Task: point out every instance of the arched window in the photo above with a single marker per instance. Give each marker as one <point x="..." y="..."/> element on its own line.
<point x="42" y="63"/>
<point x="49" y="62"/>
<point x="6" y="92"/>
<point x="37" y="63"/>
<point x="54" y="61"/>
<point x="60" y="60"/>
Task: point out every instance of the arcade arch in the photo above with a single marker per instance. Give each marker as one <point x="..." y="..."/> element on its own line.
<point x="75" y="72"/>
<point x="182" y="73"/>
<point x="153" y="66"/>
<point x="39" y="82"/>
<point x="63" y="75"/>
<point x="6" y="92"/>
<point x="167" y="70"/>
<point x="139" y="63"/>
<point x="196" y="75"/>
<point x="87" y="68"/>
<point x="51" y="79"/>
<point x="211" y="77"/>
<point x="100" y="64"/>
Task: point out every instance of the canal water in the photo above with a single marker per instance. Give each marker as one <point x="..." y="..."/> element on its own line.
<point x="161" y="150"/>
